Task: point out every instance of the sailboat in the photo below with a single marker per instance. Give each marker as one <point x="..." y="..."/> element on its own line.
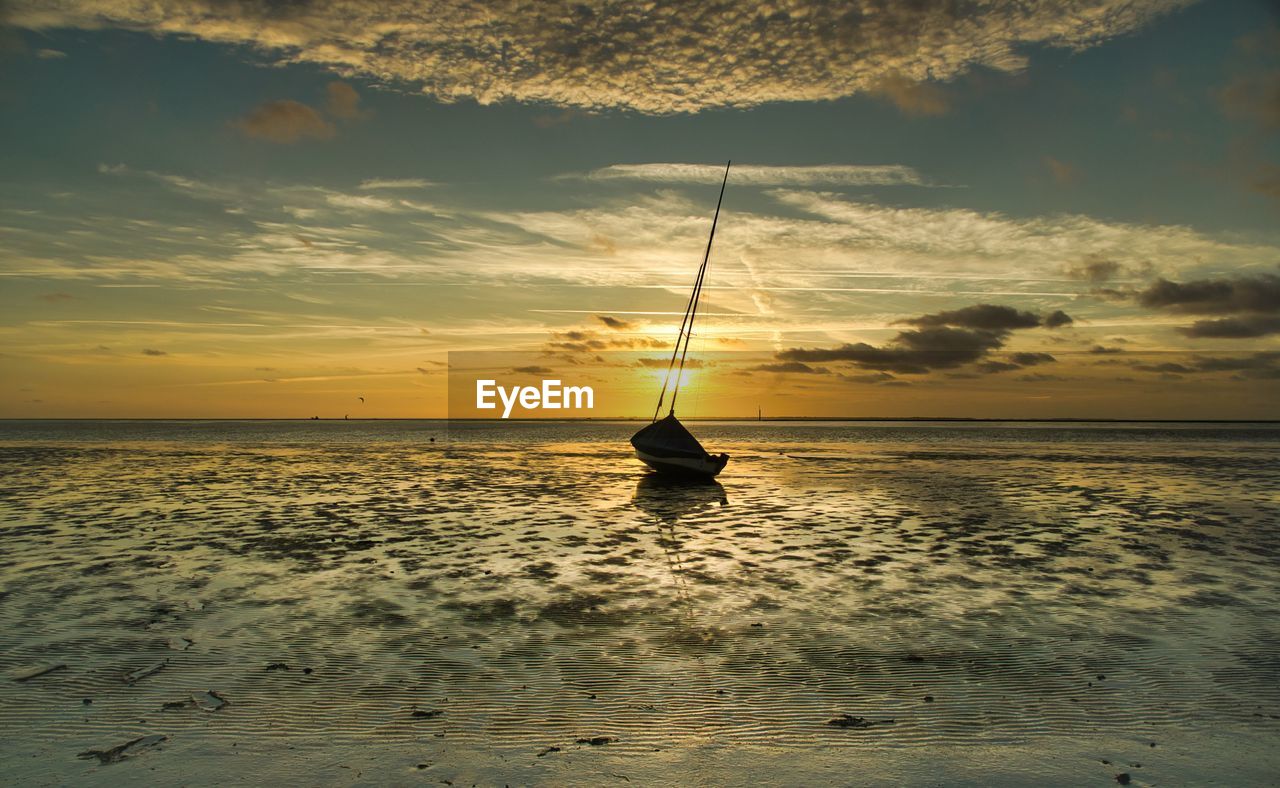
<point x="665" y="444"/>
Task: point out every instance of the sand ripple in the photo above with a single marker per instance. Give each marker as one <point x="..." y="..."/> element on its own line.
<point x="508" y="595"/>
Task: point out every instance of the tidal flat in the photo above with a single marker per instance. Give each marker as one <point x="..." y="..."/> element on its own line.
<point x="371" y="603"/>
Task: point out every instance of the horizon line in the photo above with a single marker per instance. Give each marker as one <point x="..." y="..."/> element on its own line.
<point x="1055" y="419"/>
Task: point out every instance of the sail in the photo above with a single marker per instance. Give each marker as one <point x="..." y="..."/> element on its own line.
<point x="668" y="438"/>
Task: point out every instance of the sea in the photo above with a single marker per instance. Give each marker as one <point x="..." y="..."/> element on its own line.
<point x="517" y="603"/>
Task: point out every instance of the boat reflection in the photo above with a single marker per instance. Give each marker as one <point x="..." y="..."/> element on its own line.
<point x="670" y="499"/>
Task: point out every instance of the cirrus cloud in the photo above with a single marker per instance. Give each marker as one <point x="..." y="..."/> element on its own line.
<point x="763" y="175"/>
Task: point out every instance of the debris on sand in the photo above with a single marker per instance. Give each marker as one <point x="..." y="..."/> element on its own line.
<point x="850" y="721"/>
<point x="423" y="714"/>
<point x="180" y="644"/>
<point x="546" y="750"/>
<point x="1123" y="778"/>
<point x="141" y="673"/>
<point x="33" y="671"/>
<point x="176" y="704"/>
<point x="209" y="701"/>
<point x="278" y="666"/>
<point x="126" y="750"/>
<point x="596" y="741"/>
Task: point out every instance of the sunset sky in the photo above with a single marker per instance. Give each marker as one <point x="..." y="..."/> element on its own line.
<point x="1034" y="209"/>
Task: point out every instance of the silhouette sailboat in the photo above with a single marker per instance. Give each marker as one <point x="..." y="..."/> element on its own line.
<point x="665" y="444"/>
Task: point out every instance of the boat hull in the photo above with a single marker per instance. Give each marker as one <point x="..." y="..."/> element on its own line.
<point x="685" y="467"/>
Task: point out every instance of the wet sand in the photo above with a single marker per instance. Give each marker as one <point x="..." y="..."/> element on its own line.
<point x="343" y="604"/>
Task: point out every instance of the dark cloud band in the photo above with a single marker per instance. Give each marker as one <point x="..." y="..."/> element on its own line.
<point x="943" y="340"/>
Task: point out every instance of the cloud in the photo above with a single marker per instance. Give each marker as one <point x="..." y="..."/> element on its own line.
<point x="910" y="353"/>
<point x="50" y="54"/>
<point x="1253" y="97"/>
<point x="984" y="316"/>
<point x="585" y="340"/>
<point x="1103" y="350"/>
<point x="809" y="253"/>
<point x="364" y="202"/>
<point x="54" y="298"/>
<point x="1064" y="174"/>
<point x="762" y="175"/>
<point x="1057" y="319"/>
<point x="992" y="367"/>
<point x="659" y="57"/>
<point x="1266" y="180"/>
<point x="1243" y="327"/>
<point x="533" y="370"/>
<point x="1031" y="359"/>
<point x="395" y="183"/>
<point x="803" y="248"/>
<point x="791" y="367"/>
<point x="873" y="377"/>
<point x="944" y="340"/>
<point x="1251" y="304"/>
<point x="285" y="121"/>
<point x="342" y="101"/>
<point x="1167" y="367"/>
<point x="1262" y="364"/>
<point x="153" y="352"/>
<point x="1260" y="293"/>
<point x="616" y="323"/>
<point x="912" y="97"/>
<point x="1093" y="268"/>
<point x="1014" y="361"/>
<point x="663" y="363"/>
<point x="970" y="239"/>
<point x="550" y="120"/>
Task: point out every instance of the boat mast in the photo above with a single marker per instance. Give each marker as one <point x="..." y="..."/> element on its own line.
<point x="697" y="293"/>
<point x="671" y="364"/>
<point x="686" y="324"/>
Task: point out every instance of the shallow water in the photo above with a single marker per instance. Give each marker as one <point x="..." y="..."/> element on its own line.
<point x="1004" y="603"/>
